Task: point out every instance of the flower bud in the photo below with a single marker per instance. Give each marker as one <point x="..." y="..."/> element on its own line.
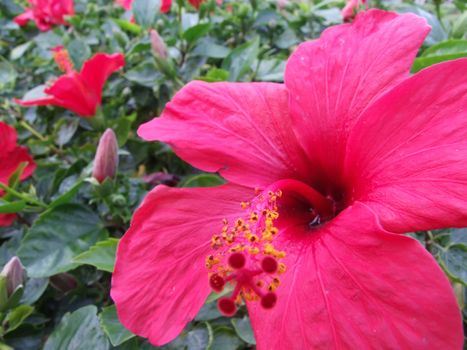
<point x="106" y="159"/>
<point x="158" y="45"/>
<point x="63" y="282"/>
<point x="13" y="271"/>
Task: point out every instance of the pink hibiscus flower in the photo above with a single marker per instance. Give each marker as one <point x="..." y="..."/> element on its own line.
<point x="323" y="175"/>
<point x="80" y="92"/>
<point x="11" y="157"/>
<point x="46" y="13"/>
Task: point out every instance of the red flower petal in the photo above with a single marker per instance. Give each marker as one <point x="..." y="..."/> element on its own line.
<point x="160" y="281"/>
<point x="353" y="285"/>
<point x="332" y="79"/>
<point x="7" y="219"/>
<point x="7" y="137"/>
<point x="241" y="130"/>
<point x="97" y="70"/>
<point x="24" y="18"/>
<point x="407" y="155"/>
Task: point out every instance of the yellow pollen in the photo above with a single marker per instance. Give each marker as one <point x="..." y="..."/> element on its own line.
<point x="282" y="268"/>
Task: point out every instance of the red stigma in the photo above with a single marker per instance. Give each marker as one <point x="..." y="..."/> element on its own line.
<point x="227" y="306"/>
<point x="237" y="260"/>
<point x="269" y="264"/>
<point x="217" y="283"/>
<point x="269" y="300"/>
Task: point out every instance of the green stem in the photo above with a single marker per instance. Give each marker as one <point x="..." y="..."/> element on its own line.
<point x="22" y="196"/>
<point x="33" y="131"/>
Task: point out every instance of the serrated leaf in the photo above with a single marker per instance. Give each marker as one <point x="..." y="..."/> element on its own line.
<point x="58" y="236"/>
<point x="116" y="332"/>
<point x="79" y="330"/>
<point x="101" y="255"/>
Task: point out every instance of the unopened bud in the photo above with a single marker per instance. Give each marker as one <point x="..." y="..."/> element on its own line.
<point x="13" y="271"/>
<point x="64" y="282"/>
<point x="158" y="45"/>
<point x="106" y="159"/>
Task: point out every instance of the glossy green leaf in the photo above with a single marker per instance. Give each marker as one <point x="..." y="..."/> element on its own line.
<point x="196" y="32"/>
<point x="116" y="332"/>
<point x="444" y="51"/>
<point x="454" y="261"/>
<point x="202" y="180"/>
<point x="243" y="328"/>
<point x="145" y="12"/>
<point x="16" y="317"/>
<point x="58" y="236"/>
<point x="79" y="330"/>
<point x="101" y="255"/>
<point x="11" y="207"/>
<point x="240" y="60"/>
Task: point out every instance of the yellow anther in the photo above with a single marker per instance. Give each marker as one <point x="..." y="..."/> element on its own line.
<point x="216" y="242"/>
<point x="239" y="223"/>
<point x="253" y="250"/>
<point x="211" y="260"/>
<point x="237" y="248"/>
<point x="282" y="268"/>
<point x="245" y="205"/>
<point x="253" y="238"/>
<point x="254" y="217"/>
<point x="225" y="222"/>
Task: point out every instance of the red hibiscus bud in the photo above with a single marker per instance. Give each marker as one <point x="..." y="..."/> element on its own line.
<point x="63" y="282"/>
<point x="13" y="271"/>
<point x="106" y="159"/>
<point x="157" y="43"/>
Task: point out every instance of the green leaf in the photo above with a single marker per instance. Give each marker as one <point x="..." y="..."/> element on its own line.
<point x="79" y="330"/>
<point x="116" y="332"/>
<point x="123" y="128"/>
<point x="202" y="180"/>
<point x="195" y="339"/>
<point x="243" y="328"/>
<point x="444" y="51"/>
<point x="67" y="196"/>
<point x="64" y="130"/>
<point x="196" y="32"/>
<point x="225" y="339"/>
<point x="11" y="207"/>
<point x="215" y="74"/>
<point x="101" y="255"/>
<point x="57" y="236"/>
<point x="79" y="52"/>
<point x="15" y="317"/>
<point x="239" y="61"/>
<point x="145" y="12"/>
<point x="20" y="50"/>
<point x="8" y="75"/>
<point x="454" y="261"/>
<point x="459" y="27"/>
<point x="128" y="26"/>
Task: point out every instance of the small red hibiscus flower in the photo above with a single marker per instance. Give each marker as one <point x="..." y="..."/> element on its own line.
<point x="46" y="13"/>
<point x="165" y="5"/>
<point x="324" y="174"/>
<point x="11" y="157"/>
<point x="80" y="92"/>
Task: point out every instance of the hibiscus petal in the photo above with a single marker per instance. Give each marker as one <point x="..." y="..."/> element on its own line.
<point x="332" y="79"/>
<point x="407" y="155"/>
<point x="24" y="18"/>
<point x="97" y="70"/>
<point x="160" y="281"/>
<point x="7" y="219"/>
<point x="7" y="137"/>
<point x="241" y="130"/>
<point x="11" y="161"/>
<point x="353" y="285"/>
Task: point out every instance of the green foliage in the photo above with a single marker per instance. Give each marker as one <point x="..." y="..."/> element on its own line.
<point x="69" y="225"/>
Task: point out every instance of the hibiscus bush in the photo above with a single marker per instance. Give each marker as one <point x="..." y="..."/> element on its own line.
<point x="233" y="174"/>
